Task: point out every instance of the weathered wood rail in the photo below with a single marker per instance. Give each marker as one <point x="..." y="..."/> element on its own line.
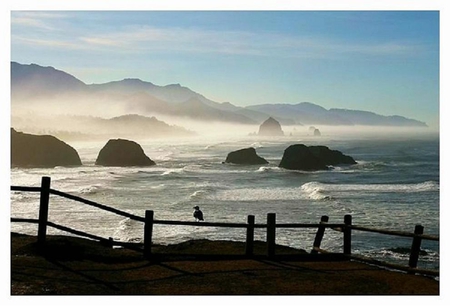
<point x="149" y="222"/>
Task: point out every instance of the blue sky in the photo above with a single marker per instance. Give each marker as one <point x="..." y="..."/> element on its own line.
<point x="381" y="61"/>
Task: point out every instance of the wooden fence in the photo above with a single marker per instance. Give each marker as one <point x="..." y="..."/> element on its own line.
<point x="149" y="222"/>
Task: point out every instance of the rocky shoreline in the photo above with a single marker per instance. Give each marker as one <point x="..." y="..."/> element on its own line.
<point x="75" y="266"/>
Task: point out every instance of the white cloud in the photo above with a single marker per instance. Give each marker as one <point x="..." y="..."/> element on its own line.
<point x="240" y="43"/>
<point x="139" y="39"/>
<point x="35" y="19"/>
<point x="177" y="39"/>
<point x="30" y="22"/>
<point x="46" y="43"/>
<point x="99" y="41"/>
<point x="387" y="48"/>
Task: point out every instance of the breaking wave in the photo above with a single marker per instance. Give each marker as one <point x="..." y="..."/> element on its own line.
<point x="256" y="145"/>
<point x="89" y="189"/>
<point x="173" y="171"/>
<point x="198" y="194"/>
<point x="269" y="169"/>
<point x="125" y="231"/>
<point x="419" y="187"/>
<point x="267" y="194"/>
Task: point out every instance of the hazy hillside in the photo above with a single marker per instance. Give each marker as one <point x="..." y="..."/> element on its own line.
<point x="370" y="118"/>
<point x="302" y="113"/>
<point x="195" y="108"/>
<point x="38" y="89"/>
<point x="173" y="93"/>
<point x="95" y="128"/>
<point x="309" y="113"/>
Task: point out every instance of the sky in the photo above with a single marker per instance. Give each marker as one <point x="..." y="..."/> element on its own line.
<point x="381" y="61"/>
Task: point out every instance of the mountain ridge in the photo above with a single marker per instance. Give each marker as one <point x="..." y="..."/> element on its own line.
<point x="29" y="82"/>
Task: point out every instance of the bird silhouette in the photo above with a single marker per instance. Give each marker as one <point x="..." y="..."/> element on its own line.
<point x="198" y="214"/>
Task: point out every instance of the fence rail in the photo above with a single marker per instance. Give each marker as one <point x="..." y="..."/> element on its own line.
<point x="97" y="205"/>
<point x="149" y="221"/>
<point x="25" y="188"/>
<point x="394" y="233"/>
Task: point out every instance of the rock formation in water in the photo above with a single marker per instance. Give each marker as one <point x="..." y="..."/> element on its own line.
<point x="317" y="132"/>
<point x="45" y="151"/>
<point x="270" y="127"/>
<point x="246" y="156"/>
<point x="123" y="153"/>
<point x="301" y="157"/>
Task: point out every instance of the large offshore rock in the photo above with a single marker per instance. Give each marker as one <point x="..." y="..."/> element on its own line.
<point x="246" y="156"/>
<point x="301" y="157"/>
<point x="331" y="157"/>
<point x="123" y="153"/>
<point x="270" y="127"/>
<point x="29" y="150"/>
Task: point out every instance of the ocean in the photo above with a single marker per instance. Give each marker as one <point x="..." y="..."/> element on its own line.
<point x="394" y="185"/>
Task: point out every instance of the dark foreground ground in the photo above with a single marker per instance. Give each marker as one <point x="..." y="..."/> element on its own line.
<point x="73" y="266"/>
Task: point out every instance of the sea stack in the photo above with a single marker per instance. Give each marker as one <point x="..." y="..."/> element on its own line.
<point x="270" y="127"/>
<point x="246" y="156"/>
<point x="313" y="158"/>
<point x="123" y="153"/>
<point x="43" y="151"/>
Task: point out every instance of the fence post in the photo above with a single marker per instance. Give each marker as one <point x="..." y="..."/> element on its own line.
<point x="271" y="234"/>
<point x="148" y="232"/>
<point x="415" y="248"/>
<point x="319" y="235"/>
<point x="347" y="235"/>
<point x="43" y="210"/>
<point x="250" y="235"/>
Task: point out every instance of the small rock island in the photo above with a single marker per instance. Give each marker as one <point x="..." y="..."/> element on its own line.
<point x="313" y="158"/>
<point x="245" y="156"/>
<point x="270" y="127"/>
<point x="41" y="151"/>
<point x="123" y="153"/>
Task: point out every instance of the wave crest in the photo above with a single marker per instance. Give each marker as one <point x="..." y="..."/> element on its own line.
<point x="314" y="191"/>
<point x="414" y="187"/>
<point x="198" y="194"/>
<point x="269" y="169"/>
<point x="173" y="171"/>
<point x="89" y="189"/>
<point x="125" y="231"/>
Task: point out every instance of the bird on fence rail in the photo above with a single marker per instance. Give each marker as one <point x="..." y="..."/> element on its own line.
<point x="198" y="214"/>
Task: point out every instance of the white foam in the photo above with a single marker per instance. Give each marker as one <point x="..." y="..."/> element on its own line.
<point x="89" y="189"/>
<point x="159" y="186"/>
<point x="198" y="194"/>
<point x="259" y="194"/>
<point x="269" y="169"/>
<point x="125" y="230"/>
<point x="165" y="156"/>
<point x="418" y="187"/>
<point x="256" y="145"/>
<point x="316" y="191"/>
<point x="173" y="171"/>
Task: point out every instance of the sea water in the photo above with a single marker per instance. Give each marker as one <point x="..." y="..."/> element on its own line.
<point x="394" y="186"/>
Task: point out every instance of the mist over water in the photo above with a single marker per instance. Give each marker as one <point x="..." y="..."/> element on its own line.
<point x="92" y="125"/>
